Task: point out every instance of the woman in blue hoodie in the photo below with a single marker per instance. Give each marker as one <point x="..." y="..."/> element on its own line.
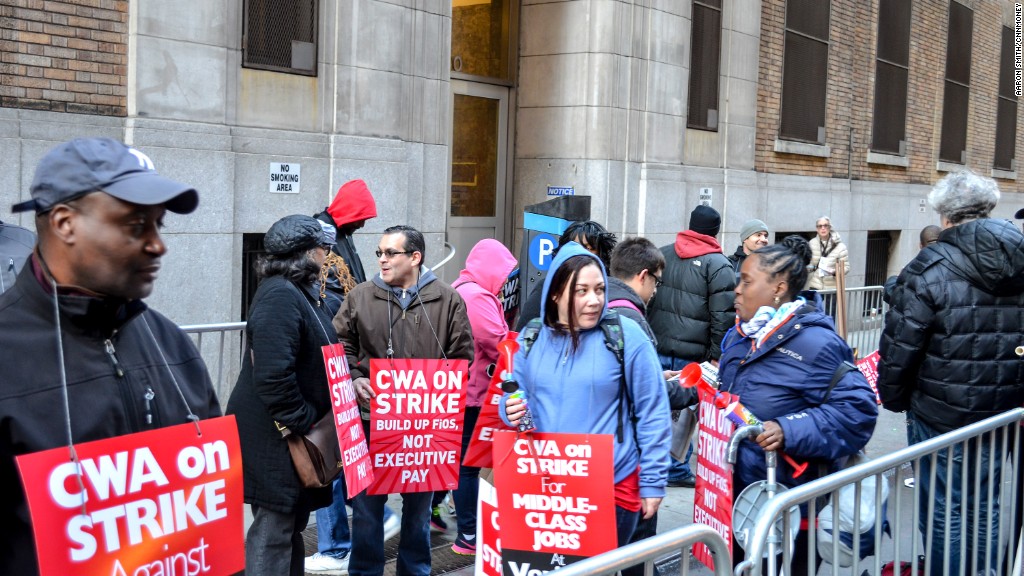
<point x="780" y="359"/>
<point x="572" y="383"/>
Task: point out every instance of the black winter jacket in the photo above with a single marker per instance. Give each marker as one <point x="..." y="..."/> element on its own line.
<point x="103" y="404"/>
<point x="737" y="259"/>
<point x="956" y="318"/>
<point x="282" y="379"/>
<point x="678" y="397"/>
<point x="694" y="306"/>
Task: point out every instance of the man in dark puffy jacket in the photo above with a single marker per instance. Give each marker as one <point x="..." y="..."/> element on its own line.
<point x="694" y="306"/>
<point x="950" y="356"/>
<point x="106" y="365"/>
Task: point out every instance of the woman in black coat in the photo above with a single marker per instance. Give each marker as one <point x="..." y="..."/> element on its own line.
<point x="282" y="382"/>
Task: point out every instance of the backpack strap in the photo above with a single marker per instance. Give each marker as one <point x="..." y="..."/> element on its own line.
<point x="623" y="303"/>
<point x="611" y="329"/>
<point x="529" y="335"/>
<point x="842" y="370"/>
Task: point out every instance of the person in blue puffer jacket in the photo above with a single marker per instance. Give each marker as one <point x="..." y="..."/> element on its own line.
<point x="572" y="383"/>
<point x="780" y="359"/>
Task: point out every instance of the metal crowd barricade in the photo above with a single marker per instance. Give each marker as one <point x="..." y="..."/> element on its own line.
<point x="865" y="316"/>
<point x="1001" y="433"/>
<point x="221" y="347"/>
<point x="679" y="540"/>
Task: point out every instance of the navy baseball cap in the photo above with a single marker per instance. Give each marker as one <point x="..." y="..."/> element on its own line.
<point x="1019" y="214"/>
<point x="86" y="165"/>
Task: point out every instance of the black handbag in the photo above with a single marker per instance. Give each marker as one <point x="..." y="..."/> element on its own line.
<point x="315" y="454"/>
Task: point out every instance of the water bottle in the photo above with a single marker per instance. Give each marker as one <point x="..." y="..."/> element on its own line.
<point x="511" y="387"/>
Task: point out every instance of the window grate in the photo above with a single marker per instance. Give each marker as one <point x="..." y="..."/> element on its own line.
<point x="805" y="71"/>
<point x="1006" y="113"/>
<point x="891" y="73"/>
<point x="953" y="145"/>
<point x="280" y="35"/>
<point x="705" y="52"/>
<point x="876" y="261"/>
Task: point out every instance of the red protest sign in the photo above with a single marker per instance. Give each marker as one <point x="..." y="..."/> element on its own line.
<point x="416" y="424"/>
<point x="868" y="366"/>
<point x="165" y="501"/>
<point x="355" y="456"/>
<point x="556" y="498"/>
<point x="488" y="541"/>
<point x="712" y="497"/>
<point x="478" y="453"/>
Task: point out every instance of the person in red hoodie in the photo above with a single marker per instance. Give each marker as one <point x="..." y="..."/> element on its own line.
<point x="693" y="308"/>
<point x="488" y="266"/>
<point x="353" y="205"/>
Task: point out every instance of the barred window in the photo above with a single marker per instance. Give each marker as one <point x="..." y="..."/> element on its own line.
<point x="705" y="50"/>
<point x="1006" y="113"/>
<point x="892" y="67"/>
<point x="280" y="35"/>
<point x="805" y="71"/>
<point x="953" y="145"/>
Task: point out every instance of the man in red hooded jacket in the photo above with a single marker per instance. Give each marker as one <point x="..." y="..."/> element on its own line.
<point x="353" y="205"/>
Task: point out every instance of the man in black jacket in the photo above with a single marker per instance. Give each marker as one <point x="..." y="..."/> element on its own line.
<point x="124" y="368"/>
<point x="950" y="357"/>
<point x="753" y="235"/>
<point x="694" y="306"/>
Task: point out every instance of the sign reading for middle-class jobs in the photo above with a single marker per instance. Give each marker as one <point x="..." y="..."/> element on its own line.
<point x="712" y="497"/>
<point x="555" y="497"/>
<point x="416" y="424"/>
<point x="285" y="178"/>
<point x="165" y="501"/>
<point x="355" y="456"/>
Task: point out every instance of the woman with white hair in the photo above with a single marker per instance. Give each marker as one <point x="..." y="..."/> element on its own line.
<point x="827" y="249"/>
<point x="950" y="358"/>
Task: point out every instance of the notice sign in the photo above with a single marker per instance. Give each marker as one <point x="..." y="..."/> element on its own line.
<point x="284" y="178"/>
<point x="165" y="501"/>
<point x="488" y="558"/>
<point x="416" y="424"/>
<point x="355" y="457"/>
<point x="712" y="497"/>
<point x="868" y="366"/>
<point x="556" y="499"/>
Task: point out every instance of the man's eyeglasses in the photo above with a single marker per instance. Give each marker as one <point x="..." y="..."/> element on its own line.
<point x="657" y="280"/>
<point x="390" y="253"/>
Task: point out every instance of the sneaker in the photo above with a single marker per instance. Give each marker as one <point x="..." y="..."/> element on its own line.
<point x="686" y="482"/>
<point x="909" y="482"/>
<point x="436" y="522"/>
<point x="322" y="564"/>
<point x="465" y="544"/>
<point x="392" y="526"/>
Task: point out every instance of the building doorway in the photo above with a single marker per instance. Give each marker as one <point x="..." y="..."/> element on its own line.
<point x="479" y="165"/>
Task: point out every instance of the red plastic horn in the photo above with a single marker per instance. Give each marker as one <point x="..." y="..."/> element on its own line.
<point x="690" y="375"/>
<point x="508" y="349"/>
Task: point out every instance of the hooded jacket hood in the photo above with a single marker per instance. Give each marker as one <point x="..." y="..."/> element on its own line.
<point x="690" y="244"/>
<point x="352" y="204"/>
<point x="564" y="253"/>
<point x="405" y="296"/>
<point x="989" y="253"/>
<point x="488" y="264"/>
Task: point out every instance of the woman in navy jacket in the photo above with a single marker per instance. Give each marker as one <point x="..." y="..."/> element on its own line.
<point x="780" y="358"/>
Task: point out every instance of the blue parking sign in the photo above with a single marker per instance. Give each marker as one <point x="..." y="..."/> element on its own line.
<point x="542" y="251"/>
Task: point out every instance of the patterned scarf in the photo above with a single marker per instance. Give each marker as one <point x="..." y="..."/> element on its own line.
<point x="767" y="319"/>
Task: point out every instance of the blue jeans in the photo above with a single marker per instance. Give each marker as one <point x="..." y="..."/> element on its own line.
<point x="367" y="557"/>
<point x="949" y="473"/>
<point x="332" y="534"/>
<point x="625" y="523"/>
<point x="677" y="470"/>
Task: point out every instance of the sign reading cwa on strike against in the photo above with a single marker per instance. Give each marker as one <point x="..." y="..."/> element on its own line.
<point x="555" y="499"/>
<point x="416" y="424"/>
<point x="165" y="501"/>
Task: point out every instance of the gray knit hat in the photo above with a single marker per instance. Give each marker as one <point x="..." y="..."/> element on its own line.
<point x="751" y="227"/>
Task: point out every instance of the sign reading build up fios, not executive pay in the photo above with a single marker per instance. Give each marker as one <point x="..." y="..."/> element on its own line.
<point x="166" y="501"/>
<point x="416" y="424"/>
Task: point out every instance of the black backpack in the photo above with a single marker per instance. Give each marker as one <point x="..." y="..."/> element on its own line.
<point x="611" y="329"/>
<point x="16" y="244"/>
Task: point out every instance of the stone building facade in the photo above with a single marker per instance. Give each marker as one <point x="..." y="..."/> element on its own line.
<point x="458" y="113"/>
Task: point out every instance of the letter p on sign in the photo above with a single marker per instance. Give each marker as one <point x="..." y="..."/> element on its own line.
<point x="542" y="248"/>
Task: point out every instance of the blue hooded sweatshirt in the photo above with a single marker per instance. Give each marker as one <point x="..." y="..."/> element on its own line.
<point x="579" y="392"/>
